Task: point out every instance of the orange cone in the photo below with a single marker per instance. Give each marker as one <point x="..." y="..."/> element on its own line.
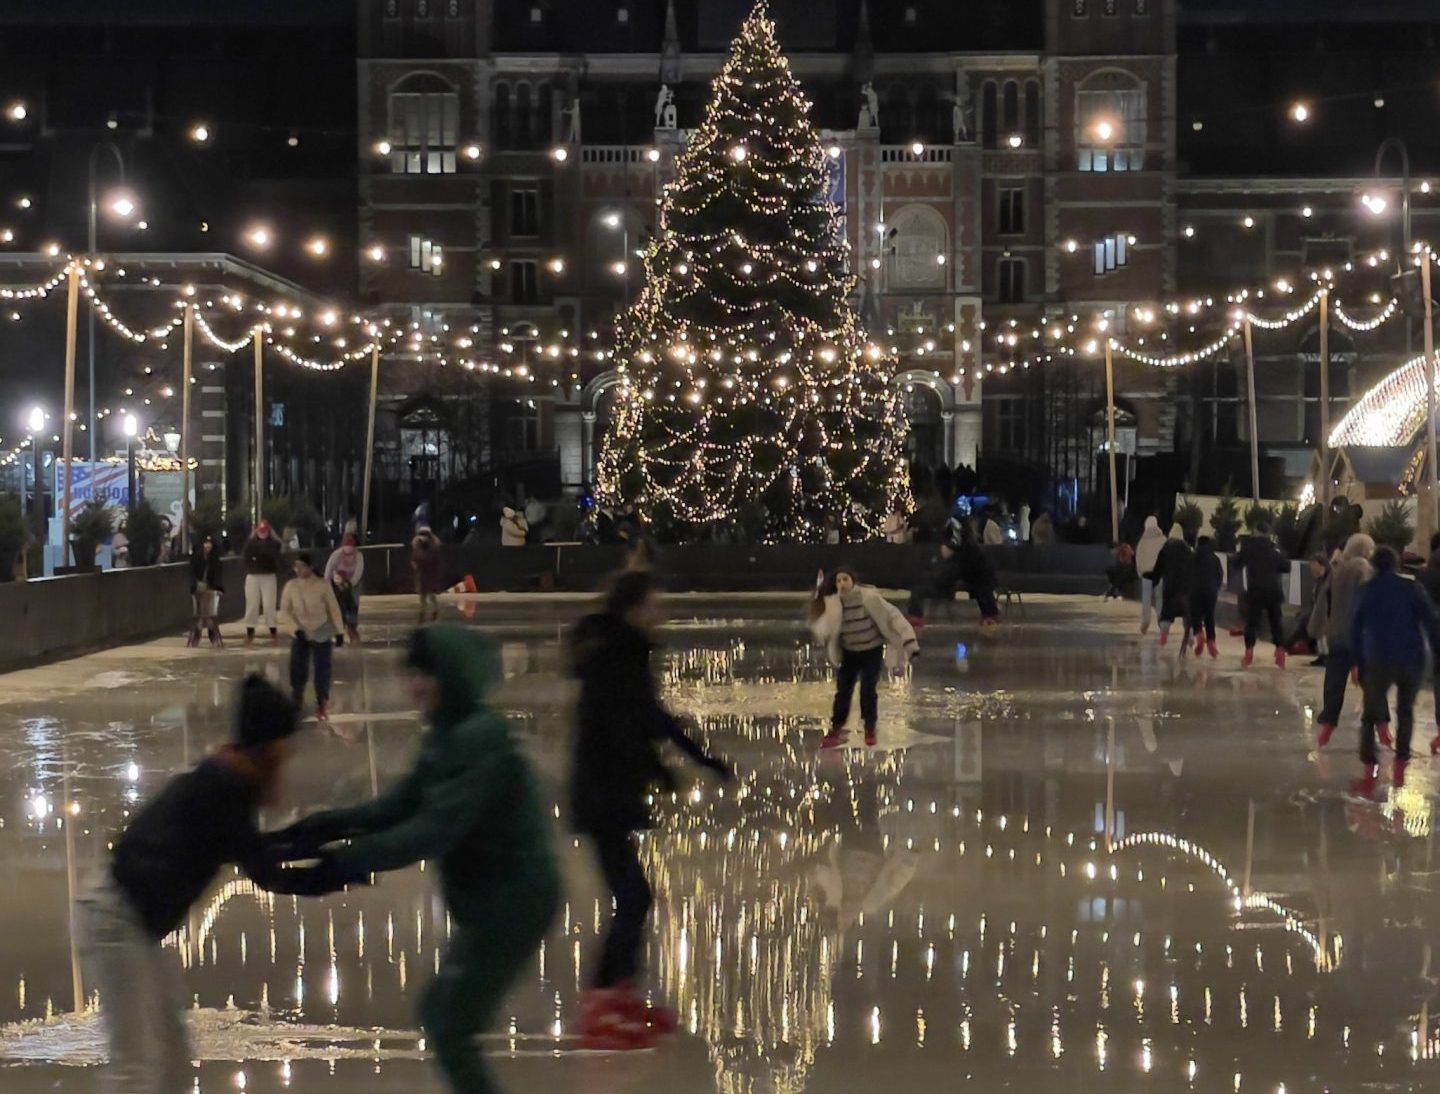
<point x="465" y="586"/>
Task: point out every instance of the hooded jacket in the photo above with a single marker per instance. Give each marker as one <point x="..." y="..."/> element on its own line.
<point x="1206" y="573"/>
<point x="1147" y="551"/>
<point x="1172" y="570"/>
<point x="621" y="725"/>
<point x="1333" y="613"/>
<point x="470" y="803"/>
<point x="1393" y="620"/>
<point x="1262" y="563"/>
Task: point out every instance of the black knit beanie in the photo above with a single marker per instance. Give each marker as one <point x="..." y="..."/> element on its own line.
<point x="264" y="714"/>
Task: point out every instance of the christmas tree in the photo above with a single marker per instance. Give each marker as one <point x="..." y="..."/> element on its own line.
<point x="749" y="392"/>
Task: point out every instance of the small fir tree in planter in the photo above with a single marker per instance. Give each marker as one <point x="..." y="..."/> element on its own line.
<point x="88" y="530"/>
<point x="1189" y="516"/>
<point x="1258" y="516"/>
<point x="207" y="518"/>
<point x="145" y="532"/>
<point x="1392" y="527"/>
<point x="1225" y="520"/>
<point x="12" y="535"/>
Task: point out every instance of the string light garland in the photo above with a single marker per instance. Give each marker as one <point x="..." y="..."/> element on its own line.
<point x="1390" y="413"/>
<point x="747" y="390"/>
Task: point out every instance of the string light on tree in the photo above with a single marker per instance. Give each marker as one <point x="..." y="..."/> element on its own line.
<point x="748" y="391"/>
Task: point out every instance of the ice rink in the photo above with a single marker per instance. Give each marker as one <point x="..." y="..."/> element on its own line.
<point x="1074" y="862"/>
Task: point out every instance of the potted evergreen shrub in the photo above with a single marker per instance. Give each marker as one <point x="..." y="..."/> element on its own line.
<point x="1391" y="527"/>
<point x="145" y="532"/>
<point x="1225" y="520"/>
<point x="1189" y="516"/>
<point x="88" y="530"/>
<point x="12" y="535"/>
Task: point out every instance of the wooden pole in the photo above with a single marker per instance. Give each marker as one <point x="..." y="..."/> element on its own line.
<point x="1323" y="493"/>
<point x="185" y="429"/>
<point x="1429" y="397"/>
<point x="1254" y="427"/>
<point x="1110" y="439"/>
<point x="259" y="339"/>
<point x="72" y="305"/>
<point x="370" y="442"/>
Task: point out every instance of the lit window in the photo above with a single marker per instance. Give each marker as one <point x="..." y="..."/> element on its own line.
<point x="425" y="255"/>
<point x="424" y="128"/>
<point x="1111" y="253"/>
<point x="1110" y="130"/>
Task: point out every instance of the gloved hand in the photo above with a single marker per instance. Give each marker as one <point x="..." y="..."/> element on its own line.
<point x="328" y="875"/>
<point x="305" y="837"/>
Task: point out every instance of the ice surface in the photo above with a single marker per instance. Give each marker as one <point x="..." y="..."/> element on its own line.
<point x="1074" y="861"/>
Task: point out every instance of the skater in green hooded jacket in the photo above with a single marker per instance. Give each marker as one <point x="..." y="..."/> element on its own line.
<point x="471" y="805"/>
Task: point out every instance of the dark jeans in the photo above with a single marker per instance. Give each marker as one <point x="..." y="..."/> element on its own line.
<point x="349" y="601"/>
<point x="864" y="666"/>
<point x="926" y="590"/>
<point x="625" y="878"/>
<point x="1202" y="616"/>
<point x="1258" y="603"/>
<point x="1377" y="678"/>
<point x="985" y="599"/>
<point x="1338" y="664"/>
<point x="302" y="651"/>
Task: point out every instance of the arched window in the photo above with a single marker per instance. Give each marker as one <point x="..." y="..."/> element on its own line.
<point x="1110" y="123"/>
<point x="989" y="116"/>
<point x="524" y="117"/>
<point x="424" y="125"/>
<point x="502" y="130"/>
<point x="1010" y="111"/>
<point x="916" y="248"/>
<point x="1032" y="114"/>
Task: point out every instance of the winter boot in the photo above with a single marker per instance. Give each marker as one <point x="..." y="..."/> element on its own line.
<point x="1279" y="657"/>
<point x="1213" y="649"/>
<point x="834" y="739"/>
<point x="1199" y="643"/>
<point x="193" y="639"/>
<point x="1323" y="732"/>
<point x="608" y="1022"/>
<point x="1249" y="658"/>
<point x="1382" y="733"/>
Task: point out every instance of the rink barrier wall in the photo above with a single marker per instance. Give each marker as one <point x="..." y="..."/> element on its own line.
<point x="1057" y="568"/>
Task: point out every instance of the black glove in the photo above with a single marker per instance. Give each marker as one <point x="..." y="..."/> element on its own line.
<point x="305" y="837"/>
<point x="328" y="875"/>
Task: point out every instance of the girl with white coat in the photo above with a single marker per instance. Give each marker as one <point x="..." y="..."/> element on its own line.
<point x="861" y="632"/>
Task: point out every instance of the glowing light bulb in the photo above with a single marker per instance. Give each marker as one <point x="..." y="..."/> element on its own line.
<point x="1016" y="140"/>
<point x="16" y="112"/>
<point x="738" y="153"/>
<point x="200" y="133"/>
<point x="1300" y="112"/>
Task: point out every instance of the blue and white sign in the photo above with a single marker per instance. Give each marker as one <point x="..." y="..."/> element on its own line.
<point x="108" y="481"/>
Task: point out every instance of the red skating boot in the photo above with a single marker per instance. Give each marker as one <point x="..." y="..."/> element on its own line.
<point x="1249" y="657"/>
<point x="1164" y="636"/>
<point x="1397" y="774"/>
<point x="1199" y="643"/>
<point x="1279" y="657"/>
<point x="659" y="1020"/>
<point x="1214" y="650"/>
<point x="1382" y="733"/>
<point x="834" y="739"/>
<point x="1364" y="786"/>
<point x="869" y="736"/>
<point x="1323" y="732"/>
<point x="1435" y="744"/>
<point x="322" y="712"/>
<point x="608" y="1022"/>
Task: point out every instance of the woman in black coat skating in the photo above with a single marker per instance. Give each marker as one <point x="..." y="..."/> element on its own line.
<point x="622" y="724"/>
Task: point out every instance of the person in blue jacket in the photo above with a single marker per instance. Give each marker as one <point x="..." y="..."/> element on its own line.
<point x="1393" y="620"/>
<point x="471" y="806"/>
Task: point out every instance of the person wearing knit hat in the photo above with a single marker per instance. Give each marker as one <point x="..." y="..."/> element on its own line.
<point x="164" y="861"/>
<point x="344" y="571"/>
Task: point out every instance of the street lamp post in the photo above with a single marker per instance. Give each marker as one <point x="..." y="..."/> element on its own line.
<point x="123" y="206"/>
<point x="36" y="424"/>
<point x="1377" y="206"/>
<point x="132" y="427"/>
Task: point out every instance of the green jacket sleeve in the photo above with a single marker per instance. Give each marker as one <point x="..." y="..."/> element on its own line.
<point x="459" y="788"/>
<point x="390" y="808"/>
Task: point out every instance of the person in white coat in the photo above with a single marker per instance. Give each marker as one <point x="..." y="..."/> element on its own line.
<point x="513" y="528"/>
<point x="1147" y="553"/>
<point x="861" y="632"/>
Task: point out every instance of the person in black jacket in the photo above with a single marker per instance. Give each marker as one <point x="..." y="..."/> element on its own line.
<point x="1262" y="563"/>
<point x="163" y="863"/>
<point x="939" y="584"/>
<point x="1172" y="575"/>
<point x="978" y="575"/>
<point x="1206" y="577"/>
<point x="616" y="763"/>
<point x="207" y="582"/>
<point x="262" y="555"/>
